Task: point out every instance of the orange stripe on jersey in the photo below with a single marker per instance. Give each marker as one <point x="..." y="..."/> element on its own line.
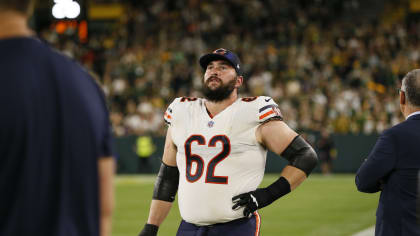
<point x="266" y="114"/>
<point x="167" y="115"/>
<point x="258" y="223"/>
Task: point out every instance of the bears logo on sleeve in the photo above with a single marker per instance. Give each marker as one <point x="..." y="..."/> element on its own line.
<point x="268" y="110"/>
<point x="167" y="117"/>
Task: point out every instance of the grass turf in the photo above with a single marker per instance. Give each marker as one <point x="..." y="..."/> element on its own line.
<point x="324" y="206"/>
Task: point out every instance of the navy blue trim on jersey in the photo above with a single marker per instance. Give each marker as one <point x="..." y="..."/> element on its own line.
<point x="268" y="106"/>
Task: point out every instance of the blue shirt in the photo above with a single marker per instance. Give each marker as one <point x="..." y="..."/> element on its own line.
<point x="54" y="125"/>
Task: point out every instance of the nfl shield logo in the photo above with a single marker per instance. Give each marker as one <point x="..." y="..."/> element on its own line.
<point x="210" y="124"/>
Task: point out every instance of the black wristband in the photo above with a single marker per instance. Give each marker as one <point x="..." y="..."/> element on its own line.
<point x="149" y="229"/>
<point x="273" y="192"/>
<point x="279" y="188"/>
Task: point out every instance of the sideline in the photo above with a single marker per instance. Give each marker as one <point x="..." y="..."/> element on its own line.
<point x="367" y="232"/>
<point x="127" y="179"/>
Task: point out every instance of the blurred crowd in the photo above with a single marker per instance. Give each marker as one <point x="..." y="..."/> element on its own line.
<point x="324" y="71"/>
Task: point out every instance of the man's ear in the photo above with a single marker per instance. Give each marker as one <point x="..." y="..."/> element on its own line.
<point x="239" y="81"/>
<point x="402" y="98"/>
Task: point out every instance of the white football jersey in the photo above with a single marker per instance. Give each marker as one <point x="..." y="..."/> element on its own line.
<point x="217" y="157"/>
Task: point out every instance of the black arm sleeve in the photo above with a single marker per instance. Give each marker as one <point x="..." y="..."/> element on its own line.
<point x="301" y="155"/>
<point x="166" y="184"/>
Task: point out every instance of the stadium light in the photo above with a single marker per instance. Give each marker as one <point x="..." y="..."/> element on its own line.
<point x="65" y="9"/>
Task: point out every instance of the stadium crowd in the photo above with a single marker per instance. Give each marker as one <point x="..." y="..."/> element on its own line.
<point x="324" y="71"/>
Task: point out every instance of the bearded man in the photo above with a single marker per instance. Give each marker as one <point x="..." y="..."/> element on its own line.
<point x="215" y="154"/>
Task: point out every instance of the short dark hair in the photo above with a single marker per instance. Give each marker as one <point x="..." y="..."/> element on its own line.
<point x="22" y="6"/>
<point x="411" y="87"/>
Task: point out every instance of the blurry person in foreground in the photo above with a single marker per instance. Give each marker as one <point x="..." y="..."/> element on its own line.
<point x="393" y="165"/>
<point x="56" y="165"/>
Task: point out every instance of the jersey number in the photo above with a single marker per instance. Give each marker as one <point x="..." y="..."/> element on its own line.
<point x="190" y="158"/>
<point x="249" y="99"/>
<point x="190" y="99"/>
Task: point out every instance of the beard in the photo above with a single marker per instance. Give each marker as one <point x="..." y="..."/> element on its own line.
<point x="219" y="94"/>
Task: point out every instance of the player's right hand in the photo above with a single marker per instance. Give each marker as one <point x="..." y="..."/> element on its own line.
<point x="149" y="230"/>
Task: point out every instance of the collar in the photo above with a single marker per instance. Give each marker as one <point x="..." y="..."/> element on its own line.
<point x="413" y="114"/>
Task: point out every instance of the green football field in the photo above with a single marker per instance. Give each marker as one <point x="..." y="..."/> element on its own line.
<point x="321" y="206"/>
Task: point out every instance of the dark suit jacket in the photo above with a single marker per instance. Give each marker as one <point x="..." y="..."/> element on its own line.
<point x="392" y="168"/>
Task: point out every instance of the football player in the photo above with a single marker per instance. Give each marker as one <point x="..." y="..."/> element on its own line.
<point x="215" y="154"/>
<point x="57" y="169"/>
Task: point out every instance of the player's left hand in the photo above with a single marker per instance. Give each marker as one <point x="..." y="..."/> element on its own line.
<point x="262" y="197"/>
<point x="251" y="201"/>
